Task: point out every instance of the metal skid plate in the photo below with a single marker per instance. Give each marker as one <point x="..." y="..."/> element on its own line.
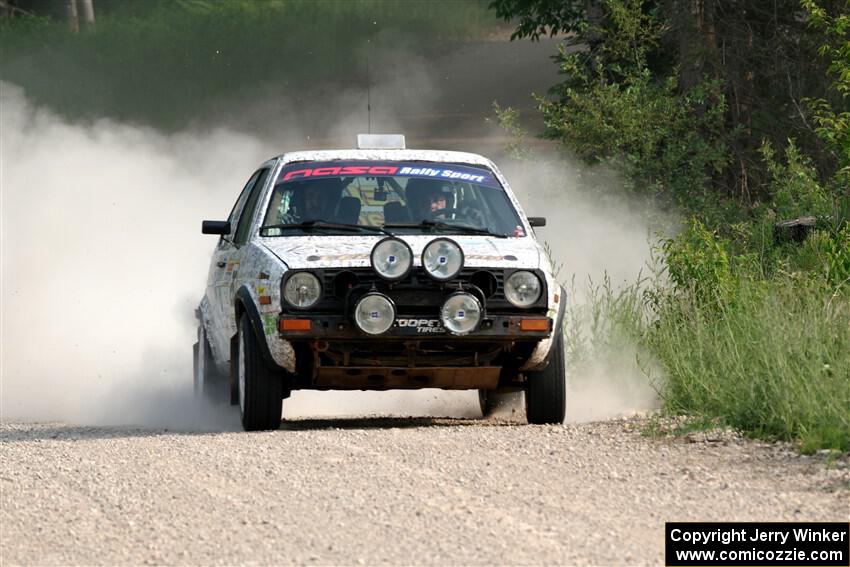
<point x="369" y="378"/>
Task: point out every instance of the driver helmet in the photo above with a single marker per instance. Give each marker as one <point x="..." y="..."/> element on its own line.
<point x="320" y="198"/>
<point x="427" y="196"/>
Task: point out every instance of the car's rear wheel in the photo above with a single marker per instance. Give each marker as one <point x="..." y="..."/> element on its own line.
<point x="260" y="389"/>
<point x="209" y="383"/>
<point x="546" y="390"/>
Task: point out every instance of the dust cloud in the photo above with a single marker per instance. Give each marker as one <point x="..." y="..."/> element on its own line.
<point x="103" y="265"/>
<point x="595" y="234"/>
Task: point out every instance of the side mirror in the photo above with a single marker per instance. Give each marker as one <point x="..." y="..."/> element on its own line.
<point x="215" y="227"/>
<point x="537" y="221"/>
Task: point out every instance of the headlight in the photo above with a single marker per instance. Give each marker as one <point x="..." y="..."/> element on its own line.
<point x="523" y="288"/>
<point x="392" y="258"/>
<point x="302" y="290"/>
<point x="461" y="313"/>
<point x="374" y="313"/>
<point x="442" y="258"/>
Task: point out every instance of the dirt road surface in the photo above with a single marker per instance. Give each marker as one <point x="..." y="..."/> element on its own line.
<point x="388" y="491"/>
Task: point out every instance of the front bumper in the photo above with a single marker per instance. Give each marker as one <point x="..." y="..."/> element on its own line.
<point x="340" y="327"/>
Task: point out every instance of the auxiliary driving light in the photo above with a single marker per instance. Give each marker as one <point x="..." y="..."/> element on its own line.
<point x="442" y="258"/>
<point x="374" y="313"/>
<point x="392" y="258"/>
<point x="461" y="313"/>
<point x="302" y="290"/>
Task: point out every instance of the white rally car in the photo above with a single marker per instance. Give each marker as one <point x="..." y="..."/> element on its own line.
<point x="379" y="268"/>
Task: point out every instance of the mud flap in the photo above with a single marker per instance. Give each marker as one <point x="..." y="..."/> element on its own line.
<point x="259" y="332"/>
<point x="257" y="324"/>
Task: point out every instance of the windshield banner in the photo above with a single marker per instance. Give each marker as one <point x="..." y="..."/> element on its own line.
<point x="432" y="170"/>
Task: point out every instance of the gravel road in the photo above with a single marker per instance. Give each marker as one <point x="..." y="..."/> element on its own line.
<point x="389" y="491"/>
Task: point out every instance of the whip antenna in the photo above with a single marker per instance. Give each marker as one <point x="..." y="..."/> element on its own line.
<point x="368" y="90"/>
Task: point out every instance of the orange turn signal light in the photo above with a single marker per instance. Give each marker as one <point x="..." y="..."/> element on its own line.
<point x="294" y="325"/>
<point x="534" y="325"/>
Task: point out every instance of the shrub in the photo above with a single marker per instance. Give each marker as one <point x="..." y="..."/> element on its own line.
<point x="795" y="185"/>
<point x="830" y="255"/>
<point x="697" y="261"/>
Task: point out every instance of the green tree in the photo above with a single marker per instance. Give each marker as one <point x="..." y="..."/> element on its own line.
<point x="752" y="62"/>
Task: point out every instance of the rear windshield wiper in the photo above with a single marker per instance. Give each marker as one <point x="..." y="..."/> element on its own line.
<point x="319" y="224"/>
<point x="465" y="229"/>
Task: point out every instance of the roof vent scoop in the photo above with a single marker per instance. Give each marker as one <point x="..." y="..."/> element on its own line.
<point x="380" y="141"/>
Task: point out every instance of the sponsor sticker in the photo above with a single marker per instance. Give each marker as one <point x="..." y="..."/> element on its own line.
<point x="422" y="326"/>
<point x="433" y="170"/>
<point x="442" y="173"/>
<point x="337" y="171"/>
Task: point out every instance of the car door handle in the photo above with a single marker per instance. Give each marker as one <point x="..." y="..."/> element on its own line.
<point x="221" y="264"/>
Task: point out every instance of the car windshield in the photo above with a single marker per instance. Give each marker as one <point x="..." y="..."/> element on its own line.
<point x="373" y="197"/>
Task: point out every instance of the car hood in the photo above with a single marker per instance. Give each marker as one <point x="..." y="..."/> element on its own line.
<point x="300" y="252"/>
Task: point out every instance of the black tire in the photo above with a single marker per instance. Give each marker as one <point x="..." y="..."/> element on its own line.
<point x="499" y="399"/>
<point x="260" y="389"/>
<point x="485" y="402"/>
<point x="546" y="390"/>
<point x="209" y="383"/>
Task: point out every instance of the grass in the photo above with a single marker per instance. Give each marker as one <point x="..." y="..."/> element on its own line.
<point x="771" y="359"/>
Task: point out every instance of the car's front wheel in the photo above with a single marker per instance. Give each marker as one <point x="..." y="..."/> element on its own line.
<point x="209" y="383"/>
<point x="546" y="390"/>
<point x="260" y="389"/>
<point x="504" y="401"/>
<point x="486" y="402"/>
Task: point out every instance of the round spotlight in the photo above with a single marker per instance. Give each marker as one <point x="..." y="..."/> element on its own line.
<point x="392" y="258"/>
<point x="302" y="290"/>
<point x="374" y="313"/>
<point x="523" y="288"/>
<point x="461" y="313"/>
<point x="442" y="258"/>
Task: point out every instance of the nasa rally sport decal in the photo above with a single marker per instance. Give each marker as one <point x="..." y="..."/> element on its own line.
<point x="434" y="170"/>
<point x="422" y="325"/>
